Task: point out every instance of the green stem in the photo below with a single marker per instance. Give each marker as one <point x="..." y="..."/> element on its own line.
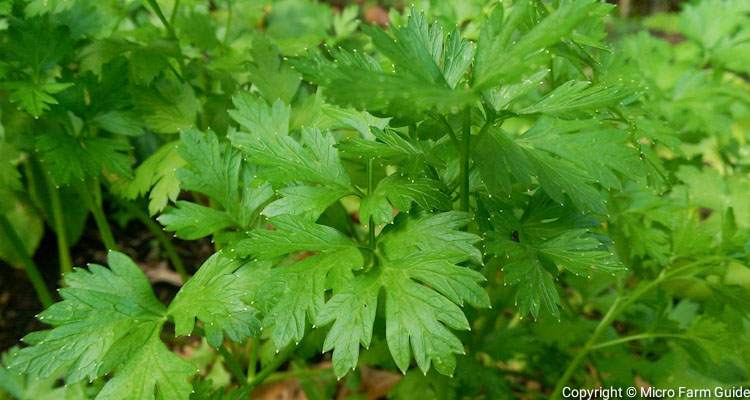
<point x="301" y="373"/>
<point x="232" y="364"/>
<point x="271" y="367"/>
<point x="603" y="324"/>
<point x="466" y="145"/>
<point x="158" y="233"/>
<point x="155" y="6"/>
<point x="618" y="306"/>
<point x="253" y="362"/>
<point x="173" y="17"/>
<point x="31" y="269"/>
<point x="229" y="23"/>
<point x="370" y="189"/>
<point x="449" y="129"/>
<point x="94" y="198"/>
<point x="61" y="233"/>
<point x="640" y="336"/>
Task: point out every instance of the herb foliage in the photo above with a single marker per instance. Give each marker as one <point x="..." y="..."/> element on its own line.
<point x="403" y="198"/>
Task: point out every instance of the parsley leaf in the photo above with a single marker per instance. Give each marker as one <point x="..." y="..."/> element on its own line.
<point x="284" y="160"/>
<point x="504" y="53"/>
<point x="545" y="239"/>
<point x="215" y="295"/>
<point x="427" y="67"/>
<point x="399" y="192"/>
<point x="103" y="314"/>
<point x="71" y="159"/>
<point x="214" y="169"/>
<point x="275" y="80"/>
<point x="35" y="98"/>
<point x="157" y="176"/>
<point x="423" y="291"/>
<point x="556" y="154"/>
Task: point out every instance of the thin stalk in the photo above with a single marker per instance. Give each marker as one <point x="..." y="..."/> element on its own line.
<point x="94" y="198"/>
<point x="229" y="23"/>
<point x="28" y="263"/>
<point x="173" y="17"/>
<point x="271" y="367"/>
<point x="253" y="362"/>
<point x="640" y="336"/>
<point x="449" y="129"/>
<point x="61" y="233"/>
<point x="603" y="324"/>
<point x="155" y="6"/>
<point x="158" y="233"/>
<point x="326" y="372"/>
<point x="370" y="188"/>
<point x="171" y="33"/>
<point x="466" y="146"/>
<point x="618" y="306"/>
<point x="232" y="364"/>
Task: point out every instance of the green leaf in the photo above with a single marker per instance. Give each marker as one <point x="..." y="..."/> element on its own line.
<point x="214" y="295"/>
<point x="290" y="235"/>
<point x="291" y="291"/>
<point x="345" y="23"/>
<point x="355" y="79"/>
<point x="26" y="222"/>
<point x="545" y="239"/>
<point x="97" y="325"/>
<point x="399" y="192"/>
<point x="148" y="62"/>
<point x="151" y="372"/>
<point x="507" y="44"/>
<point x="334" y="117"/>
<point x="257" y="117"/>
<point x="297" y="25"/>
<point x="502" y="97"/>
<point x="35" y="98"/>
<point x="295" y="291"/>
<point x="579" y="253"/>
<point x="389" y="146"/>
<point x="157" y="176"/>
<point x="500" y="159"/>
<point x="40" y="7"/>
<point x="212" y="168"/>
<point x="559" y="154"/>
<point x="417" y="321"/>
<point x="306" y="201"/>
<point x="535" y="288"/>
<point x="119" y="122"/>
<point x="273" y="79"/>
<point x="23" y="387"/>
<point x="574" y="97"/>
<point x="415" y="49"/>
<point x="192" y="221"/>
<point x="284" y="160"/>
<point x="424" y="51"/>
<point x="10" y="178"/>
<point x="436" y="234"/>
<point x="358" y="303"/>
<point x="168" y="107"/>
<point x="423" y="291"/>
<point x="75" y="159"/>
